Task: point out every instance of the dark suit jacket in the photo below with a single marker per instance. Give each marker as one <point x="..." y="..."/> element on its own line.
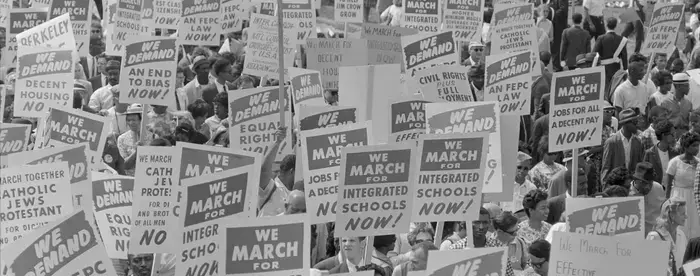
<point x="614" y="154"/>
<point x="556" y="208"/>
<point x="84" y="62"/>
<point x="561" y="13"/>
<point x="606" y="46"/>
<point x="539" y="128"/>
<point x="96" y="82"/>
<point x="574" y="41"/>
<point x="651" y="155"/>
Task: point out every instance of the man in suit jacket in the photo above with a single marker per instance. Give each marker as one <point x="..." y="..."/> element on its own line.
<point x="193" y="89"/>
<point x="100" y="77"/>
<point x="607" y="48"/>
<point x="557" y="204"/>
<point x="664" y="133"/>
<point x="623" y="148"/>
<point x="575" y="41"/>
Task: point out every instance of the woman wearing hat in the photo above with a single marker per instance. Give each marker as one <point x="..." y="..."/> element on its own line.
<point x="128" y="141"/>
<point x="668" y="228"/>
<point x="680" y="178"/>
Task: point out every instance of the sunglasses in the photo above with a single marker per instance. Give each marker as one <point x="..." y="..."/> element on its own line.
<point x="478" y="49"/>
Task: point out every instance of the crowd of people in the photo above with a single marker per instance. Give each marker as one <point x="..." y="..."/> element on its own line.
<point x="650" y="142"/>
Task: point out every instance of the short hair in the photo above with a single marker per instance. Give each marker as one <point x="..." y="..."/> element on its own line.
<point x="688" y="139"/>
<point x="160" y="142"/>
<point x="577" y="18"/>
<point x="421" y="227"/>
<point x="220" y="64"/>
<point x="543" y="145"/>
<point x="616" y="191"/>
<point x="200" y="51"/>
<point x="288" y="163"/>
<point x="222" y="99"/>
<point x="655" y="112"/>
<point x="484" y="211"/>
<point x="243" y="79"/>
<point x="611" y="23"/>
<point x="372" y="267"/>
<point x="540" y="249"/>
<point x="170" y="139"/>
<point x="199" y="108"/>
<point x="384" y="240"/>
<point x="505" y="221"/>
<point x="637" y="57"/>
<point x="663" y="128"/>
<point x="660" y="78"/>
<point x="617" y="176"/>
<point x="532" y="198"/>
<point x="231" y="57"/>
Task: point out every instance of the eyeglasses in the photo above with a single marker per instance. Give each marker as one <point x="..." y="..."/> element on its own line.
<point x="478" y="49"/>
<point x="526" y="168"/>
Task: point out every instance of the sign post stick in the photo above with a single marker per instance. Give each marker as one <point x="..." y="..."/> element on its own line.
<point x="574" y="172"/>
<point x="438" y="233"/>
<point x="369" y="249"/>
<point x="280" y="57"/>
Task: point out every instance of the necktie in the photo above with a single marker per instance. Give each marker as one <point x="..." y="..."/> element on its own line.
<point x="177" y="102"/>
<point x="94" y="68"/>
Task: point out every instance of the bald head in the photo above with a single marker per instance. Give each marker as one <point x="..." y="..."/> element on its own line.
<point x="296" y="203"/>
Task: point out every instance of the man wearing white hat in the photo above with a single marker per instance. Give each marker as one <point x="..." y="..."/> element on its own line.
<point x="679" y="106"/>
<point x="476" y="53"/>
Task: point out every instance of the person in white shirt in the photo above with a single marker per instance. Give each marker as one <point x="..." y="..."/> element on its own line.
<point x="663" y="80"/>
<point x="593" y="17"/>
<point x="633" y="93"/>
<point x="200" y="66"/>
<point x="223" y="74"/>
<point x="273" y="193"/>
<point x="522" y="185"/>
<point x="393" y="14"/>
<point x="101" y="100"/>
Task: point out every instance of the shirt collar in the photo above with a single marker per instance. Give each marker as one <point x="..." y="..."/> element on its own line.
<point x="568" y="195"/>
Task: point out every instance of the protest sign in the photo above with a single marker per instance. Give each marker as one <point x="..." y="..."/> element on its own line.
<point x="72" y="126"/>
<point x="109" y="10"/>
<point x="205" y="160"/>
<point x="314" y="117"/>
<point x="20" y="21"/>
<point x="113" y="196"/>
<point x="155" y="209"/>
<point x="166" y="13"/>
<point x="326" y="55"/>
<point x="32" y="196"/>
<point x="256" y="120"/>
<point x="127" y="22"/>
<point x="210" y="201"/>
<point x="80" y="12"/>
<point x="3" y="93"/>
<point x="200" y="23"/>
<point x="407" y="119"/>
<point x="78" y="167"/>
<point x="306" y="87"/>
<point x="45" y="72"/>
<point x="349" y="11"/>
<point x="358" y="273"/>
<point x="469" y="117"/>
<point x="423" y="15"/>
<point x="374" y="197"/>
<point x="5" y="6"/>
<point x="513" y="29"/>
<point x="69" y="245"/>
<point x="579" y="254"/>
<point x="147" y="18"/>
<point x="425" y="50"/>
<point x="472" y="262"/>
<point x="13" y="138"/>
<point x="232" y="15"/>
<point x="321" y="163"/>
<point x="446" y="82"/>
<point x="147" y="73"/>
<point x="371" y="88"/>
<point x="299" y="21"/>
<point x="575" y="109"/>
<point x="262" y="50"/>
<point x="606" y="216"/>
<point x="464" y="19"/>
<point x="449" y="173"/>
<point x="384" y="43"/>
<point x="507" y="81"/>
<point x="663" y="29"/>
<point x="267" y="246"/>
<point x="268" y="8"/>
<point x="692" y="268"/>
